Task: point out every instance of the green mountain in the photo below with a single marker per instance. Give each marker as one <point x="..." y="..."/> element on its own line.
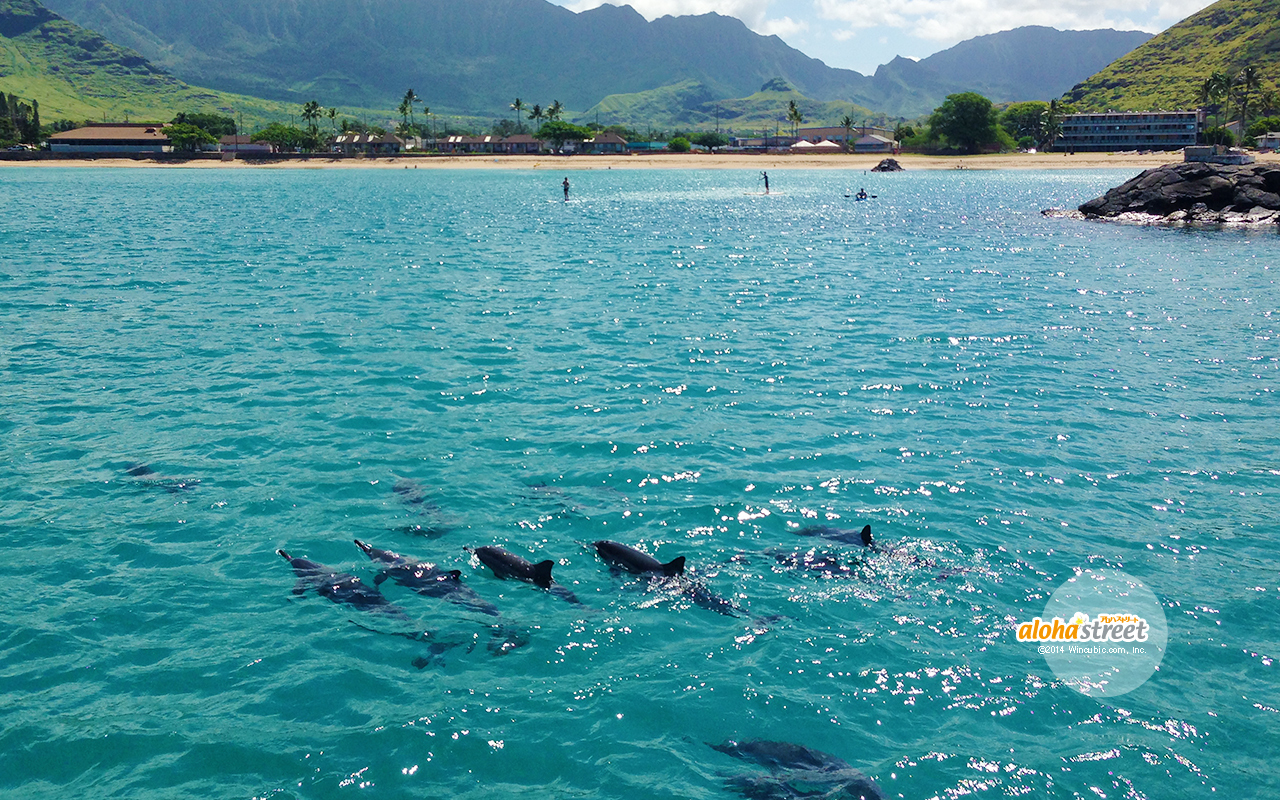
<point x="1166" y="73"/>
<point x="77" y="74"/>
<point x="476" y="56"/>
<point x="690" y="104"/>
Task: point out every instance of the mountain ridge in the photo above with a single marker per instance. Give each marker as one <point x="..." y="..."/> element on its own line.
<point x="478" y="56"/>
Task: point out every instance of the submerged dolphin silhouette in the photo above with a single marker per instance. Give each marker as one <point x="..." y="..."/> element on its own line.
<point x="506" y="564"/>
<point x="145" y="474"/>
<point x="796" y="772"/>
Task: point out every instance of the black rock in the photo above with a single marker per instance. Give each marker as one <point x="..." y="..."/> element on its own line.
<point x="887" y="165"/>
<point x="1195" y="191"/>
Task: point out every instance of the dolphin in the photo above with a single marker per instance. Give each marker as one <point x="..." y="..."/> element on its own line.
<point x="429" y="581"/>
<point x="426" y="579"/>
<point x="796" y="772"/>
<point x="509" y="565"/>
<point x="670" y="575"/>
<point x="862" y="537"/>
<point x="632" y="560"/>
<point x="432" y="519"/>
<point x="145" y="474"/>
<point x="340" y="587"/>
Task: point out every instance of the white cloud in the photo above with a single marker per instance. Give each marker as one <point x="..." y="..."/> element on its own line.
<point x="950" y="21"/>
<point x="782" y="27"/>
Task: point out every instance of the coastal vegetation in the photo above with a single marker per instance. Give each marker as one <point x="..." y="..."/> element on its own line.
<point x="77" y="74"/>
<point x="1169" y="71"/>
<point x="19" y="120"/>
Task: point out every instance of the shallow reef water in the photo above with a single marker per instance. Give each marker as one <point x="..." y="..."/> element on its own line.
<point x="202" y="367"/>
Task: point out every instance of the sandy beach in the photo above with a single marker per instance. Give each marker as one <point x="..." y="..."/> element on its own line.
<point x="1133" y="161"/>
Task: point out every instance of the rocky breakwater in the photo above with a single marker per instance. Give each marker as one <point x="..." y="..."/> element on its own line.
<point x="1192" y="194"/>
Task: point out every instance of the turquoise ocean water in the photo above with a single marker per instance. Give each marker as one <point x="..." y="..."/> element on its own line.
<point x="667" y="361"/>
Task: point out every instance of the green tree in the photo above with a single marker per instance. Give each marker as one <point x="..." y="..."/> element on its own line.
<point x="215" y="125"/>
<point x="332" y="114"/>
<point x="554" y="111"/>
<point x="187" y="138"/>
<point x="1219" y="135"/>
<point x="288" y="137"/>
<point x="1262" y="126"/>
<point x="31" y="132"/>
<point x="536" y="113"/>
<point x="1025" y="120"/>
<point x="710" y="140"/>
<point x="517" y="107"/>
<point x="678" y="145"/>
<point x="967" y="120"/>
<point x="558" y="133"/>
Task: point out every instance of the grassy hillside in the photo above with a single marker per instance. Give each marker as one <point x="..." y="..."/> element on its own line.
<point x="1166" y="72"/>
<point x="690" y="104"/>
<point x="77" y="74"/>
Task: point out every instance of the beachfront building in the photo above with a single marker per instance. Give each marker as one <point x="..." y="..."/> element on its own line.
<point x="842" y="136"/>
<point x="605" y="143"/>
<point x="875" y="143"/>
<point x="121" y="138"/>
<point x="1130" y="130"/>
<point x="1269" y="141"/>
<point x="517" y="144"/>
<point x="244" y="145"/>
<point x="367" y="143"/>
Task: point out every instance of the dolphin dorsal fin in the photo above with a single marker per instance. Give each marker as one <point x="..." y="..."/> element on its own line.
<point x="674" y="567"/>
<point x="456" y="574"/>
<point x="542" y="573"/>
<point x="866" y="536"/>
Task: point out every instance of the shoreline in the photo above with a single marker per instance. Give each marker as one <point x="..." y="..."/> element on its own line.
<point x="856" y="162"/>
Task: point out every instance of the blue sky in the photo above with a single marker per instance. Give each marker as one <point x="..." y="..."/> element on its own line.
<point x="862" y="34"/>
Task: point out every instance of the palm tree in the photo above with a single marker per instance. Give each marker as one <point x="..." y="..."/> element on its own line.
<point x="311" y="112"/>
<point x="1246" y="81"/>
<point x="517" y="107"/>
<point x="794" y="117"/>
<point x="536" y="113"/>
<point x="1219" y="88"/>
<point x="332" y="114"/>
<point x="554" y="111"/>
<point x="1050" y="124"/>
<point x="847" y="124"/>
<point x="406" y="108"/>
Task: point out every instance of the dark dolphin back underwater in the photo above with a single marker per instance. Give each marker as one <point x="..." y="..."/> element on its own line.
<point x="433" y="361"/>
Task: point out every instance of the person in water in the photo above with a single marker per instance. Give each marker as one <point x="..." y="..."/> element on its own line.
<point x="566" y="189"/>
<point x="766" y="181"/>
<point x="862" y="194"/>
